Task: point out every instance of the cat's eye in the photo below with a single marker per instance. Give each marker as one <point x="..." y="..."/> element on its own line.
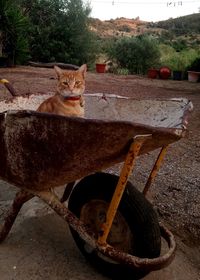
<point x="65" y="83"/>
<point x="78" y="83"/>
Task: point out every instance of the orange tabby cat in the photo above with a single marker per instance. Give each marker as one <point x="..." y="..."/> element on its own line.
<point x="68" y="100"/>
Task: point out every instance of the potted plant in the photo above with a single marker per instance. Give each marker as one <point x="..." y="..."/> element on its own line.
<point x="178" y="66"/>
<point x="152" y="73"/>
<point x="165" y="72"/>
<point x="194" y="71"/>
<point x="101" y="64"/>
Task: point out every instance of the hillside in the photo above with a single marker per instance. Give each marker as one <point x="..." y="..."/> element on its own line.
<point x="119" y="27"/>
<point x="116" y="27"/>
<point x="187" y="25"/>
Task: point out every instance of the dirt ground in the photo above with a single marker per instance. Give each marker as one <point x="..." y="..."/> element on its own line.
<point x="40" y="245"/>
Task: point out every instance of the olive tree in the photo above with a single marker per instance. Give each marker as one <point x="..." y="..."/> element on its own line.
<point x="13" y="24"/>
<point x="137" y="54"/>
<point x="59" y="31"/>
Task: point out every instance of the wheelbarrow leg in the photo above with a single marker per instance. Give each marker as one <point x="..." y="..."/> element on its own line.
<point x="8" y="86"/>
<point x="155" y="169"/>
<point x="20" y="198"/>
<point x="54" y="202"/>
<point x="127" y="168"/>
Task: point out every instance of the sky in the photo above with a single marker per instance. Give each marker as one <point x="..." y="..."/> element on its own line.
<point x="148" y="10"/>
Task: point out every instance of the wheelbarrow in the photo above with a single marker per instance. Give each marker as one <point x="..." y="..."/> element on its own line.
<point x="112" y="223"/>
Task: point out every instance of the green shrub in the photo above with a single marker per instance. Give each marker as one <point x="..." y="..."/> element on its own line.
<point x="122" y="71"/>
<point x="177" y="60"/>
<point x="136" y="54"/>
<point x="59" y="31"/>
<point x="13" y="26"/>
<point x="195" y="65"/>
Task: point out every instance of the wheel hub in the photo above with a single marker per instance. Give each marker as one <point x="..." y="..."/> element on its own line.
<point x="93" y="214"/>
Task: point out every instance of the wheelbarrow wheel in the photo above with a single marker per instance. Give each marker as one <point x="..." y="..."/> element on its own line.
<point x="135" y="229"/>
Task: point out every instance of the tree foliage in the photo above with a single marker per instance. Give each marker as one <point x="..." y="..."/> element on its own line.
<point x="137" y="54"/>
<point x="59" y="31"/>
<point x="177" y="60"/>
<point x="52" y="30"/>
<point x="14" y="44"/>
<point x="195" y="65"/>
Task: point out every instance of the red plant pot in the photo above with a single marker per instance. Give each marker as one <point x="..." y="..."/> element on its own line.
<point x="165" y="72"/>
<point x="152" y="73"/>
<point x="100" y="67"/>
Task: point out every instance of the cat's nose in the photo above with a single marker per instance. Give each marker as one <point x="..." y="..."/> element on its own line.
<point x="71" y="88"/>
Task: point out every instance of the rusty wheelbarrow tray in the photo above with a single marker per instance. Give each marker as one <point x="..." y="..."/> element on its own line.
<point x="40" y="151"/>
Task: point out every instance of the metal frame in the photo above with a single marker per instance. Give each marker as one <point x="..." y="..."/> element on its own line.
<point x="49" y="197"/>
<point x="9" y="87"/>
<point x="120" y="188"/>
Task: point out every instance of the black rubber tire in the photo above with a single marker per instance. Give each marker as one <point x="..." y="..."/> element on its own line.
<point x="138" y="213"/>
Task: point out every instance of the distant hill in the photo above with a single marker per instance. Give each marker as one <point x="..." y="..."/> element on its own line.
<point x="182" y="25"/>
<point x="118" y="27"/>
<point x="186" y="25"/>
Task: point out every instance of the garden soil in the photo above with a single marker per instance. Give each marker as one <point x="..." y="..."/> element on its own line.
<point x="40" y="246"/>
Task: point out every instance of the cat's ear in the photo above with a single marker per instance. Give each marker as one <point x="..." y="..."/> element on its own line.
<point x="58" y="71"/>
<point x="83" y="70"/>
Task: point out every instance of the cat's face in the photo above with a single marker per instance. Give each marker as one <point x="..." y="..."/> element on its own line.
<point x="71" y="83"/>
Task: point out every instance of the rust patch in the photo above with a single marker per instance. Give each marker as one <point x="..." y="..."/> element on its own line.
<point x="44" y="151"/>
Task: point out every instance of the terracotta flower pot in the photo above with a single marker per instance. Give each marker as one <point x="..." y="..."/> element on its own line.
<point x="193" y="76"/>
<point x="165" y="72"/>
<point x="100" y="67"/>
<point x="152" y="73"/>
